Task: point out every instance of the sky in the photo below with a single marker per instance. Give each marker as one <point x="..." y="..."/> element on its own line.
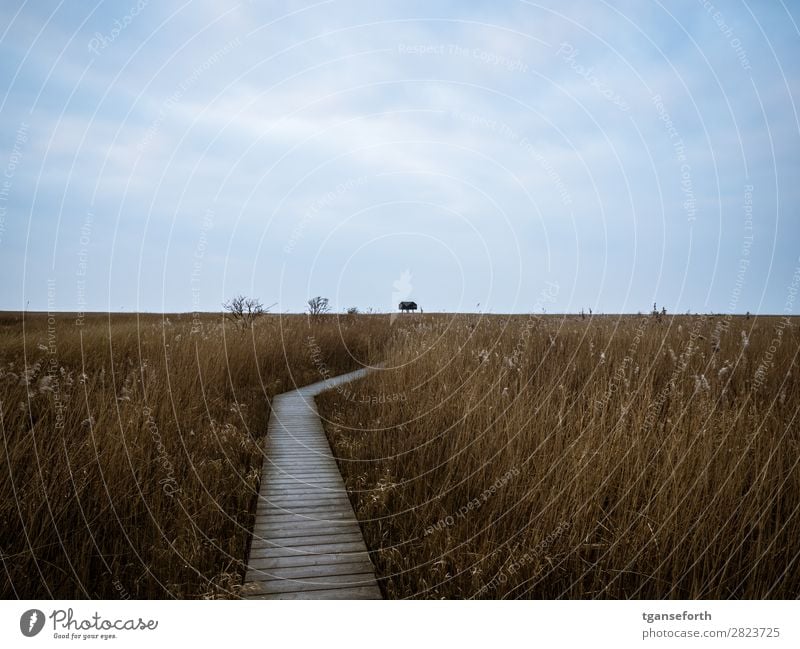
<point x="504" y="157"/>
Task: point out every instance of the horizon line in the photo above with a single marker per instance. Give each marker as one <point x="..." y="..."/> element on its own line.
<point x="343" y="313"/>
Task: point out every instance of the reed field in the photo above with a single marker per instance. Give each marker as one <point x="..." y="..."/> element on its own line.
<point x="568" y="457"/>
<point x="132" y="444"/>
<point x="489" y="456"/>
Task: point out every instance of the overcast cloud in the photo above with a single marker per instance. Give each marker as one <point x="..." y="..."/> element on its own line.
<point x="466" y="155"/>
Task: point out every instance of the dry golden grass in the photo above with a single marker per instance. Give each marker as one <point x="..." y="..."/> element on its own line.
<point x="131" y="448"/>
<point x="494" y="457"/>
<point x="546" y="457"/>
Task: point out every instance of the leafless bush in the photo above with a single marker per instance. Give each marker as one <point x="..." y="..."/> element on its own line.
<point x="318" y="306"/>
<point x="243" y="311"/>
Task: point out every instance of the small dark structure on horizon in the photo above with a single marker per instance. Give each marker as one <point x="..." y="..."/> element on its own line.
<point x="408" y="306"/>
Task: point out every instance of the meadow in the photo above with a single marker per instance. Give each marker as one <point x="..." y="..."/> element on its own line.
<point x="132" y="445"/>
<point x="569" y="457"/>
<point x="490" y="457"/>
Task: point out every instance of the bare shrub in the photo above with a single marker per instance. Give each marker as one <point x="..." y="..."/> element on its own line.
<point x="318" y="306"/>
<point x="244" y="311"/>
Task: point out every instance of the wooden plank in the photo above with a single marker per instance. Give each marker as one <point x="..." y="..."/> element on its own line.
<point x="301" y="466"/>
<point x="314" y="583"/>
<point x="304" y="482"/>
<point x="322" y="512"/>
<point x="269" y="515"/>
<point x="322" y="549"/>
<point x="298" y="540"/>
<point x="280" y="484"/>
<point x="331" y="485"/>
<point x="282" y="516"/>
<point x="319" y="535"/>
<point x="312" y="571"/>
<point x="298" y="442"/>
<point x="274" y="459"/>
<point x="266" y="509"/>
<point x="312" y="489"/>
<point x="286" y="530"/>
<point x="283" y="458"/>
<point x="278" y="478"/>
<point x="332" y="477"/>
<point x="311" y="492"/>
<point x="308" y="560"/>
<point x="311" y="460"/>
<point x="363" y="592"/>
<point x="305" y="474"/>
<point x="281" y="455"/>
<point x="309" y="463"/>
<point x="301" y="506"/>
<point x="273" y="524"/>
<point x="293" y="480"/>
<point x="300" y="469"/>
<point x="294" y="470"/>
<point x="309" y="500"/>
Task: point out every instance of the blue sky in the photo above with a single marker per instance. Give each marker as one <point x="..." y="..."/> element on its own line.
<point x="467" y="155"/>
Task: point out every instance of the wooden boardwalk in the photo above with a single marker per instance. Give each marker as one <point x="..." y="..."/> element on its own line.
<point x="306" y="541"/>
